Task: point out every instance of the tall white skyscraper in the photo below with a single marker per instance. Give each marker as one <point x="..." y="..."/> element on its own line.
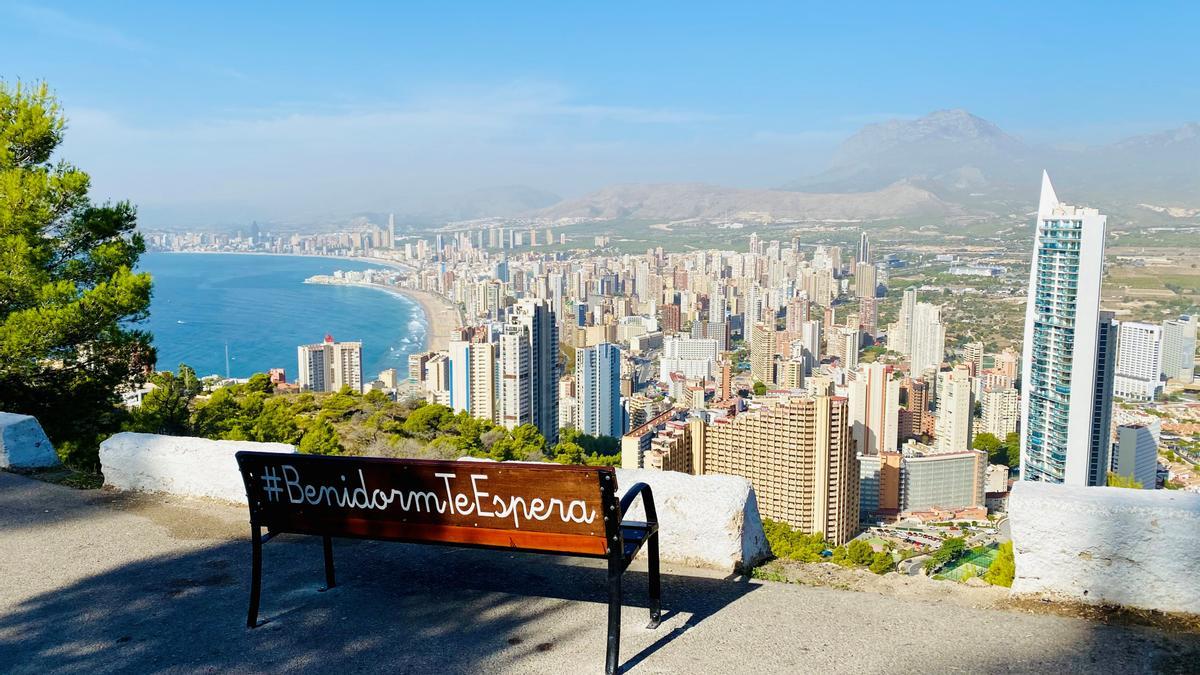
<point x="1139" y="361"/>
<point x="927" y="339"/>
<point x="1069" y="348"/>
<point x="473" y="378"/>
<point x="955" y="408"/>
<point x="529" y="368"/>
<point x="598" y="390"/>
<point x="1179" y="348"/>
<point x="900" y="333"/>
<point x="1001" y="411"/>
<point x="329" y="366"/>
<point x="874" y="409"/>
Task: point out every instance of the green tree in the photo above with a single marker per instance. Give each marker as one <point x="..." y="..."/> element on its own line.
<point x="1013" y="442"/>
<point x="321" y="439"/>
<point x="950" y="550"/>
<point x="997" y="451"/>
<point x="860" y="553"/>
<point x="525" y="442"/>
<point x="164" y="409"/>
<point x="759" y="389"/>
<point x="881" y="563"/>
<point x="69" y="299"/>
<point x="260" y="382"/>
<point x="1003" y="568"/>
<point x="427" y="420"/>
<point x="1117" y="480"/>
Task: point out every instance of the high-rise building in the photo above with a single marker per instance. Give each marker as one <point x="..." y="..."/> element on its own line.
<point x="864" y="248"/>
<point x="946" y="480"/>
<point x="668" y="315"/>
<point x="956" y="406"/>
<point x="927" y="341"/>
<point x="810" y="345"/>
<point x="762" y="354"/>
<point x="1136" y="455"/>
<point x="900" y="333"/>
<point x="874" y="406"/>
<point x="791" y="374"/>
<point x="695" y="358"/>
<point x="797" y="312"/>
<point x="473" y="378"/>
<point x="973" y="357"/>
<point x="529" y="368"/>
<point x="1179" y="349"/>
<point x="329" y="366"/>
<point x="1067" y="367"/>
<point x="598" y="390"/>
<point x="1001" y="411"/>
<point x="796" y="452"/>
<point x="912" y="416"/>
<point x="1139" y="361"/>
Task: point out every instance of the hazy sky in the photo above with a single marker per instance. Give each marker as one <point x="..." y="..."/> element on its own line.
<point x="226" y="111"/>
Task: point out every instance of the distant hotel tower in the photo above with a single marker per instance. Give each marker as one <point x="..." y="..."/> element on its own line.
<point x="529" y="368"/>
<point x="1067" y="371"/>
<point x="598" y="388"/>
<point x="329" y="366"/>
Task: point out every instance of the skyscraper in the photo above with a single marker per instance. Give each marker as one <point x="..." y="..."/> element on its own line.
<point x="329" y="366"/>
<point x="529" y="368"/>
<point x="1067" y="365"/>
<point x="956" y="406"/>
<point x="927" y="339"/>
<point x="874" y="409"/>
<point x="598" y="390"/>
<point x="900" y="333"/>
<point x="1179" y="349"/>
<point x="864" y="248"/>
<point x="762" y="354"/>
<point x="796" y="452"/>
<point x="473" y="378"/>
<point x="1001" y="411"/>
<point x="1139" y="361"/>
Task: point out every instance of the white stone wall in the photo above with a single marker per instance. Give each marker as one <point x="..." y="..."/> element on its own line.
<point x="178" y="465"/>
<point x="704" y="521"/>
<point x="1107" y="545"/>
<point x="23" y="444"/>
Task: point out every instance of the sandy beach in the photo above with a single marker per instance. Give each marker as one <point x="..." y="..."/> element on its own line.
<point x="441" y="315"/>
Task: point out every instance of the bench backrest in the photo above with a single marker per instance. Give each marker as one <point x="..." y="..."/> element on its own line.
<point x="533" y="507"/>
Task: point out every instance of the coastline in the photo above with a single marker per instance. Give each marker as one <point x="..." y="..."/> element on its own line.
<point x="442" y="317"/>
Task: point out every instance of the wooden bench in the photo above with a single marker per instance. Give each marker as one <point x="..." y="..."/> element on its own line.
<point x="539" y="508"/>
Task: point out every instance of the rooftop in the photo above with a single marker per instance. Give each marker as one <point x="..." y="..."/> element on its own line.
<point x="102" y="581"/>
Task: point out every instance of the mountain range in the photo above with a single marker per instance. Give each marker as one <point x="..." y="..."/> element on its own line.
<point x="947" y="163"/>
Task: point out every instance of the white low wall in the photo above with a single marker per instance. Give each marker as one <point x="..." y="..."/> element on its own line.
<point x="704" y="521"/>
<point x="1107" y="545"/>
<point x="179" y="465"/>
<point x="23" y="444"/>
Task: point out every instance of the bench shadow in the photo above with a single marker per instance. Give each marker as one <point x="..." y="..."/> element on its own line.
<point x="408" y="608"/>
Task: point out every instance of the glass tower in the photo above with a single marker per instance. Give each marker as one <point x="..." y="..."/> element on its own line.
<point x="1067" y="370"/>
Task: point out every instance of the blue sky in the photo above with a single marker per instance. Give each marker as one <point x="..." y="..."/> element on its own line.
<point x="227" y="111"/>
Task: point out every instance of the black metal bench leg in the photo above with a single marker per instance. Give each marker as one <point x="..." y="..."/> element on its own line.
<point x="655" y="582"/>
<point x="611" y="665"/>
<point x="329" y="580"/>
<point x="255" y="575"/>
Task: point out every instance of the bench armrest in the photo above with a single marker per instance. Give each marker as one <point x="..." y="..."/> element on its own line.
<point x="647" y="501"/>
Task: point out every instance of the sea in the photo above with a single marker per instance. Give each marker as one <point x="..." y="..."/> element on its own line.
<point x="259" y="308"/>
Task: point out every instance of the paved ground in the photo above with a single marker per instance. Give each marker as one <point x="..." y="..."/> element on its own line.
<point x="94" y="582"/>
